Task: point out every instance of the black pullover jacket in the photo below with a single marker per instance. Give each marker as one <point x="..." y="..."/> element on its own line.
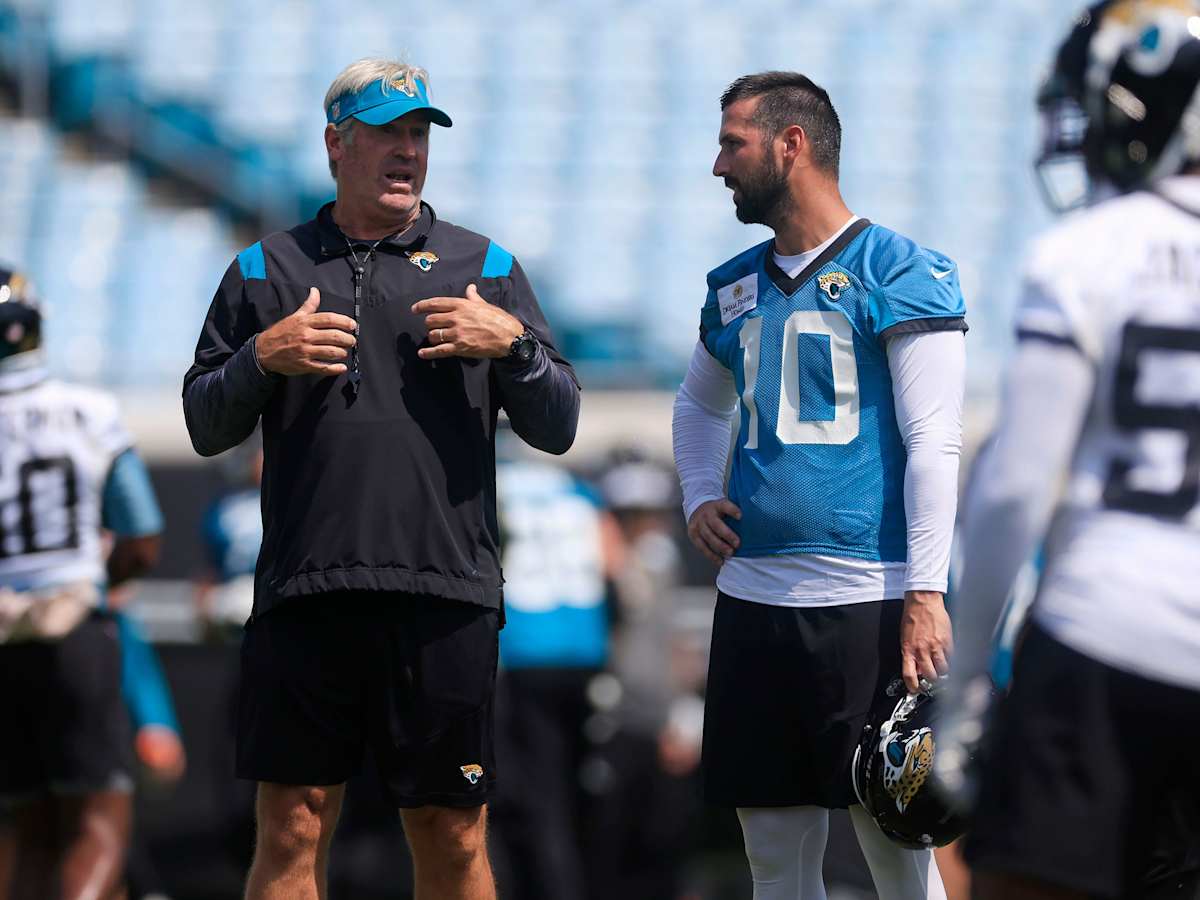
<point x="392" y="487"/>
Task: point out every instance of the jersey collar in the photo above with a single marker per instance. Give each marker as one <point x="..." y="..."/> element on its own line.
<point x="21" y="371"/>
<point x="333" y="242"/>
<point x="788" y="285"/>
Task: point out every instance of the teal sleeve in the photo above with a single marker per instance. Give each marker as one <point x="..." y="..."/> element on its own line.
<point x="710" y="323"/>
<point x="922" y="293"/>
<point x="143" y="684"/>
<point x="130" y="508"/>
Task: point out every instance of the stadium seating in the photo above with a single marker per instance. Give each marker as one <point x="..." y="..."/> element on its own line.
<point x="583" y="139"/>
<point x="126" y="279"/>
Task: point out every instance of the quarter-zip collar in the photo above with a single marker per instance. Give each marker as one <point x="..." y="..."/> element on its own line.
<point x="333" y="241"/>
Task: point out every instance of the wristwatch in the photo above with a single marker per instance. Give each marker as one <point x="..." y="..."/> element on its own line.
<point x="523" y="347"/>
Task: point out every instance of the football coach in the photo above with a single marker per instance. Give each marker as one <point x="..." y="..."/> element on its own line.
<point x="377" y="343"/>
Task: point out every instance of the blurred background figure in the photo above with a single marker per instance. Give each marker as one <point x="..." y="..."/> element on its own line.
<point x="232" y="533"/>
<point x="659" y="664"/>
<point x="600" y="712"/>
<point x="1101" y="468"/>
<point x="68" y="469"/>
<point x="157" y="744"/>
<point x="558" y="561"/>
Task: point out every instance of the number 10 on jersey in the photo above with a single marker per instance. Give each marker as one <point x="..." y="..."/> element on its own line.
<point x="818" y="387"/>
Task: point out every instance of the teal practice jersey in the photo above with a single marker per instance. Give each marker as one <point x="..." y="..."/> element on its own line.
<point x="554" y="578"/>
<point x="819" y="462"/>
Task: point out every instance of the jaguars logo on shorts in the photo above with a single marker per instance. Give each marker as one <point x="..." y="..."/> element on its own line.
<point x="908" y="765"/>
<point x="472" y="773"/>
<point x="422" y="259"/>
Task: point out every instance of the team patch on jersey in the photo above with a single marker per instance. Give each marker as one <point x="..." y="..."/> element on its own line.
<point x="833" y="283"/>
<point x="422" y="259"/>
<point x="738" y="298"/>
<point x="472" y="773"/>
<point x="908" y="765"/>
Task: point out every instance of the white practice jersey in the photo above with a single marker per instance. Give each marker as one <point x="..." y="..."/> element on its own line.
<point x="1121" y="282"/>
<point x="57" y="444"/>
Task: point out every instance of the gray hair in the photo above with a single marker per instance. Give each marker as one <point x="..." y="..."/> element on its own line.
<point x="361" y="73"/>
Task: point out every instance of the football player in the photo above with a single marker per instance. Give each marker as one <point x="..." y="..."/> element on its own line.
<point x="839" y="347"/>
<point x="67" y="470"/>
<point x="1098" y="441"/>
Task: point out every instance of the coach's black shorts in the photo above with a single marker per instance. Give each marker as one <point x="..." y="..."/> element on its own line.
<point x="66" y="729"/>
<point x="410" y="676"/>
<point x="789" y="690"/>
<point x="1086" y="766"/>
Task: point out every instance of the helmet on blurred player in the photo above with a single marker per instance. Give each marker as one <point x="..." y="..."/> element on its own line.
<point x="20" y="314"/>
<point x="891" y="770"/>
<point x="1121" y="106"/>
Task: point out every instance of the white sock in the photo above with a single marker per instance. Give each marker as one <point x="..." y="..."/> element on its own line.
<point x="899" y="874"/>
<point x="786" y="847"/>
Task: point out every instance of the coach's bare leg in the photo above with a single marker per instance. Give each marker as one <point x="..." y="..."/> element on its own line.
<point x="291" y="848"/>
<point x="449" y="848"/>
<point x="1002" y="886"/>
<point x="95" y="833"/>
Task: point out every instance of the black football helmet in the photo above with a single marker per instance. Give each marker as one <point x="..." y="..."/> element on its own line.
<point x="892" y="768"/>
<point x="1121" y="106"/>
<point x="20" y="314"/>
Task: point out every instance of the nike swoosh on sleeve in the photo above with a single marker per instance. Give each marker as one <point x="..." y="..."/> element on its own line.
<point x="939" y="275"/>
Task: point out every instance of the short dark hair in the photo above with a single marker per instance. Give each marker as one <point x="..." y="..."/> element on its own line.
<point x="789" y="98"/>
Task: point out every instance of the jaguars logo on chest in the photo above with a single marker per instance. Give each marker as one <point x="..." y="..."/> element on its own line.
<point x="422" y="259"/>
<point x="833" y="283"/>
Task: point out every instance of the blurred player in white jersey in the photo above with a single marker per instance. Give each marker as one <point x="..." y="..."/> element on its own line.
<point x="1099" y="442"/>
<point x="67" y="471"/>
<point x="843" y="341"/>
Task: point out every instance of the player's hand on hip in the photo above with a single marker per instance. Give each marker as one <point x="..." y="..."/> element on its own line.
<point x="307" y="342"/>
<point x="926" y="640"/>
<point x="708" y="531"/>
<point x="467" y="326"/>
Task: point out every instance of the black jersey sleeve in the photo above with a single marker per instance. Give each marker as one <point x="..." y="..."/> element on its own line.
<point x="225" y="391"/>
<point x="541" y="397"/>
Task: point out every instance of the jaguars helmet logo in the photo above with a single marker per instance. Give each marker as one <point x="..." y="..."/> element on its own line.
<point x="907" y="765"/>
<point x="833" y="283"/>
<point x="472" y="773"/>
<point x="422" y="259"/>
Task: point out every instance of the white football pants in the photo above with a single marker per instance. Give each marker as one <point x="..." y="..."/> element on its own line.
<point x="786" y="847"/>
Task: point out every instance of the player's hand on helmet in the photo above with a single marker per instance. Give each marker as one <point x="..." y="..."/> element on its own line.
<point x="926" y="641"/>
<point x="709" y="532"/>
<point x="467" y="326"/>
<point x="307" y="342"/>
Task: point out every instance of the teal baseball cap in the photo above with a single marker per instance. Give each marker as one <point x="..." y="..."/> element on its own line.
<point x="382" y="101"/>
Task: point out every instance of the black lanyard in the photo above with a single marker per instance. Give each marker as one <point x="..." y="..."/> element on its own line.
<point x="355" y="376"/>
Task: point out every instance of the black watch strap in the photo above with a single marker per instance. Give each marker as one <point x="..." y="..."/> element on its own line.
<point x="523" y="347"/>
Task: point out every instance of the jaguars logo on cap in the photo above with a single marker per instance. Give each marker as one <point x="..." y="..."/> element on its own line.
<point x="422" y="259"/>
<point x="833" y="283"/>
<point x="405" y="86"/>
<point x="472" y="773"/>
